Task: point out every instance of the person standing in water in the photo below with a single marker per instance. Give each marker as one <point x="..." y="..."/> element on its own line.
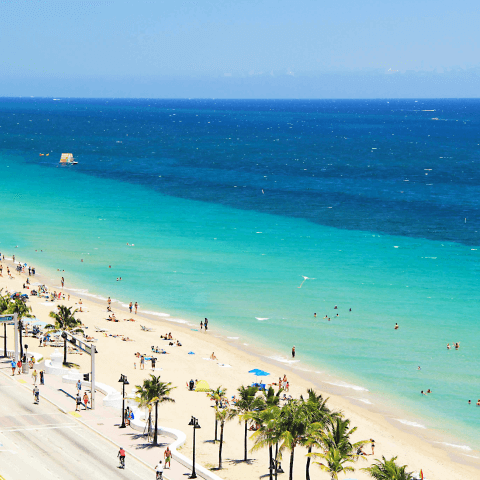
<point x="293" y="351"/>
<point x="206" y="324"/>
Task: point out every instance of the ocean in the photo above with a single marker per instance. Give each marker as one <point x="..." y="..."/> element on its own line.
<point x="259" y="214"/>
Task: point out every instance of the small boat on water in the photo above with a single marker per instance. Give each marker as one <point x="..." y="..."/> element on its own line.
<point x="67" y="159"/>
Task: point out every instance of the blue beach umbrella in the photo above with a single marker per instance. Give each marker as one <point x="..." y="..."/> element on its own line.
<point x="259" y="373"/>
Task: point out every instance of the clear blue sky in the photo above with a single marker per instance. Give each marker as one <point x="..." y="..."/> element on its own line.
<point x="254" y="48"/>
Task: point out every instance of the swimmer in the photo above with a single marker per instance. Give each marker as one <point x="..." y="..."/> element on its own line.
<point x="423" y="393"/>
<point x="335" y="307"/>
<point x="457" y="345"/>
<point x="469" y="402"/>
<point x="448" y="346"/>
<point x="315" y="315"/>
<point x="396" y="326"/>
<point x="429" y="391"/>
<point x="419" y="368"/>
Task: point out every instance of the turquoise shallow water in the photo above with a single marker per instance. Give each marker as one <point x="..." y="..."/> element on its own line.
<point x="242" y="268"/>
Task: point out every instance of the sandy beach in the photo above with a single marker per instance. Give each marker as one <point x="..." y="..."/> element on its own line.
<point x="230" y="371"/>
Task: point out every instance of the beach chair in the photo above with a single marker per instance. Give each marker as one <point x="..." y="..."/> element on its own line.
<point x="99" y="329"/>
<point x="146" y="329"/>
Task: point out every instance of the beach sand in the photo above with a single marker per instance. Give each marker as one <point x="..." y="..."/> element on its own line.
<point x="117" y="357"/>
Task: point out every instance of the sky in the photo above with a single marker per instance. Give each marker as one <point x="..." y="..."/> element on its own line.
<point x="240" y="49"/>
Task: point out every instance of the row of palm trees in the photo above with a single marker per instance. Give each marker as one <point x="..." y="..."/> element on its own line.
<point x="304" y="422"/>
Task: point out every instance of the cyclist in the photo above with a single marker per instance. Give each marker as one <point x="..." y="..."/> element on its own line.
<point x="159" y="470"/>
<point x="121" y="456"/>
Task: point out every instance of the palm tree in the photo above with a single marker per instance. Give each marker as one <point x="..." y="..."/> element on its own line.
<point x="335" y="461"/>
<point x="292" y="423"/>
<point x="268" y="433"/>
<point x="271" y="398"/>
<point x="338" y="449"/>
<point x="222" y="415"/>
<point x="388" y="470"/>
<point x="153" y="391"/>
<point x="339" y="437"/>
<point x="20" y="308"/>
<point x="218" y="394"/>
<point x="320" y="419"/>
<point x="65" y="320"/>
<point x="4" y="305"/>
<point x="247" y="402"/>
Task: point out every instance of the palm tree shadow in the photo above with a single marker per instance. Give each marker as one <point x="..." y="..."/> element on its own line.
<point x="146" y="445"/>
<point x="250" y="461"/>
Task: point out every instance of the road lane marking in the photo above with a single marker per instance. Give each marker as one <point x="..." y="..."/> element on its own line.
<point x="40" y="427"/>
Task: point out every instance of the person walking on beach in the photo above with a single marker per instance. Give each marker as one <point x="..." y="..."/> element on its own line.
<point x="142" y="362"/>
<point x="201" y="325"/>
<point x="372" y="441"/>
<point x="206" y="324"/>
<point x="36" y="394"/>
<point x="63" y="282"/>
<point x="153" y="363"/>
<point x="130" y="307"/>
<point x="136" y="307"/>
<point x="168" y="456"/>
<point x="293" y="351"/>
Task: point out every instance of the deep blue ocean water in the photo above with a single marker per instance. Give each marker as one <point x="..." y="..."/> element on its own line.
<point x="230" y="204"/>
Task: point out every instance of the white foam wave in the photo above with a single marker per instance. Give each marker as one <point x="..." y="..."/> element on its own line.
<point x="410" y="424"/>
<point x="471" y="456"/>
<point x="233" y="338"/>
<point x="363" y="400"/>
<point x="79" y="290"/>
<point x="261" y="319"/>
<point x="347" y="385"/>
<point x="453" y="445"/>
<point x="281" y="359"/>
<point x="158" y="314"/>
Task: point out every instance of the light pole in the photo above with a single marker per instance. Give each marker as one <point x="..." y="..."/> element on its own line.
<point x="26" y="352"/>
<point x="123" y="379"/>
<point x="194" y="423"/>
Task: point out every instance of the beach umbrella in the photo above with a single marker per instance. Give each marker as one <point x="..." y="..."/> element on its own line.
<point x="259" y="373"/>
<point x="202" y="386"/>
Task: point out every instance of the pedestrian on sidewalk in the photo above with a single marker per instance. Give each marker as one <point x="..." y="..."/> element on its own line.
<point x="34" y="376"/>
<point x="159" y="469"/>
<point x="42" y="377"/>
<point x="36" y="394"/>
<point x="78" y="401"/>
<point x="14" y="366"/>
<point x="79" y="386"/>
<point x="168" y="456"/>
<point x="85" y="400"/>
<point x="19" y="366"/>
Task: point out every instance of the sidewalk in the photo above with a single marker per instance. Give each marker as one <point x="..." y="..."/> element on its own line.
<point x="103" y="420"/>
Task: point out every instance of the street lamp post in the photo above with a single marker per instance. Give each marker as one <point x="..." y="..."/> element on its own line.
<point x="20" y="328"/>
<point x="194" y="423"/>
<point x="26" y="352"/>
<point x="123" y="379"/>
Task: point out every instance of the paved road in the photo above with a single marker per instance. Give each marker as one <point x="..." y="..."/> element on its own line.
<point x="39" y="442"/>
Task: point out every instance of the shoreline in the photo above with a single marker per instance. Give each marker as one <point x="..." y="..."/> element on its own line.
<point x="381" y="423"/>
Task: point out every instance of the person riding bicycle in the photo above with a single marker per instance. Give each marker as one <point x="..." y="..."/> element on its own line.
<point x="121" y="456"/>
<point x="159" y="470"/>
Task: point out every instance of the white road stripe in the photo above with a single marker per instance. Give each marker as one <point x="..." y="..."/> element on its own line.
<point x="40" y="427"/>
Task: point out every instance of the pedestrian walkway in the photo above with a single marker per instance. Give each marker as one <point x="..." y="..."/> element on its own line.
<point x="104" y="420"/>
